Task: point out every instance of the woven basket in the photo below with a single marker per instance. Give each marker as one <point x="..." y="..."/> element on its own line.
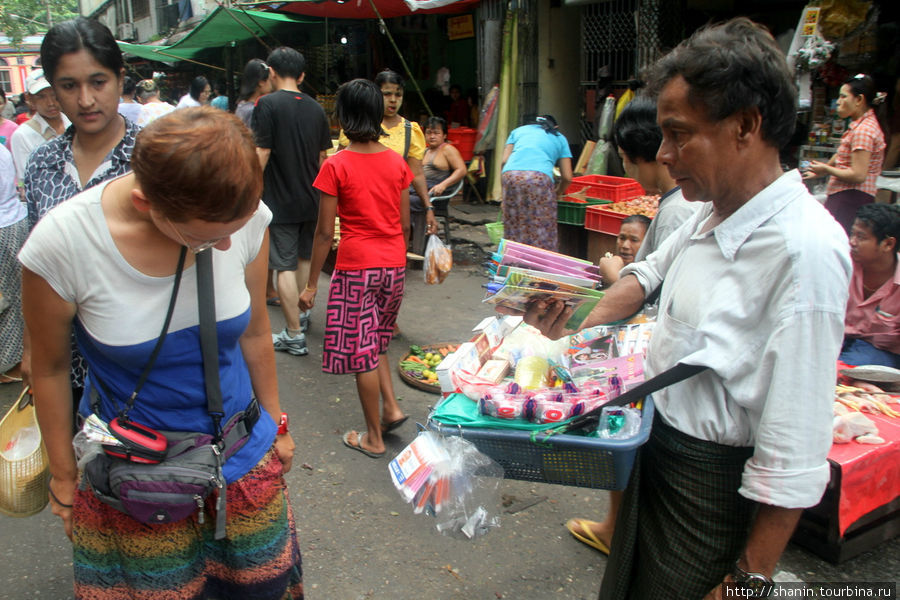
<point x="495" y="231"/>
<point x="23" y="481"/>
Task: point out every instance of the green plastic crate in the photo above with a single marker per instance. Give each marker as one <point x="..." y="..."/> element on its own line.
<point x="572" y="213"/>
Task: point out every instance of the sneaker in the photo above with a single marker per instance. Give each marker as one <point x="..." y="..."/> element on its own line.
<point x="284" y="342"/>
<point x="304" y="321"/>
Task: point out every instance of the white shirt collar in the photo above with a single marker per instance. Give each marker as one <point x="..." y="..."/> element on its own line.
<point x="731" y="233"/>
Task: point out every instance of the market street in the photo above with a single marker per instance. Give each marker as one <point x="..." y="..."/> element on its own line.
<point x="359" y="540"/>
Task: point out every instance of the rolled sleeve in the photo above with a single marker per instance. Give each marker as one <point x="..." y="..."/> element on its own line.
<point x="789" y="466"/>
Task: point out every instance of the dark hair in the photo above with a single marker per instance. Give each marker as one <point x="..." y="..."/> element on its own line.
<point x="360" y="108"/>
<point x="287" y="62"/>
<point x="862" y="85"/>
<point x="731" y="67"/>
<point x="146" y="88"/>
<point x="548" y="124"/>
<point x="456" y="87"/>
<point x="882" y="219"/>
<point x="433" y="122"/>
<point x="128" y="85"/>
<point x="388" y="76"/>
<point x="198" y="84"/>
<point x="185" y="177"/>
<point x="80" y="34"/>
<point x="255" y="71"/>
<point x="636" y="131"/>
<point x="639" y="219"/>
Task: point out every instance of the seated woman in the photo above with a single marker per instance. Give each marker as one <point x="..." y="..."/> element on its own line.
<point x="443" y="166"/>
<point x="872" y="324"/>
<point x="631" y="236"/>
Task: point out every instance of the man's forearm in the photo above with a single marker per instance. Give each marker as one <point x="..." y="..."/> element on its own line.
<point x="621" y="300"/>
<point x="771" y="531"/>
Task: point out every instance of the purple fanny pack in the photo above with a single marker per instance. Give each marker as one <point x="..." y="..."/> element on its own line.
<point x="178" y="486"/>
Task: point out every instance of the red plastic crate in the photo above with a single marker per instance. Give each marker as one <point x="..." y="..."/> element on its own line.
<point x="590" y="192"/>
<point x="606" y="187"/>
<point x="604" y="221"/>
<point x="464" y="140"/>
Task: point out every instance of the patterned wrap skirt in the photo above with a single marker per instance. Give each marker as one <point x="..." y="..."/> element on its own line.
<point x="12" y="237"/>
<point x="682" y="523"/>
<point x="117" y="557"/>
<point x="529" y="209"/>
<point x="360" y="316"/>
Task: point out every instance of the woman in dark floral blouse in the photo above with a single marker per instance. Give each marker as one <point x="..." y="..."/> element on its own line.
<point x="85" y="68"/>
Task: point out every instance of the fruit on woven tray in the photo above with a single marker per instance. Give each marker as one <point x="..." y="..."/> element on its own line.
<point x="421" y="363"/>
<point x="642" y="205"/>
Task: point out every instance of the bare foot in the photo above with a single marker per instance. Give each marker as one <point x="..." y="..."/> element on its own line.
<point x="360" y="441"/>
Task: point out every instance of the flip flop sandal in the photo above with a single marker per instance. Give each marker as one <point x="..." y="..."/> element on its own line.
<point x="4" y="378"/>
<point x="273" y="301"/>
<point x="358" y="446"/>
<point x="588" y="536"/>
<point x="389" y="427"/>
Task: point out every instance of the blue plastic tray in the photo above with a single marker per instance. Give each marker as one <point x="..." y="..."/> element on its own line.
<point x="563" y="459"/>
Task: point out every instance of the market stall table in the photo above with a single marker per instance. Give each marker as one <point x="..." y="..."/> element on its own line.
<point x="861" y="506"/>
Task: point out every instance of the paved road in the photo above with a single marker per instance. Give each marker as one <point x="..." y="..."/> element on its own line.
<point x="359" y="540"/>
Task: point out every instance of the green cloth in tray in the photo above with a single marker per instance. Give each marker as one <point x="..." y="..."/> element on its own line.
<point x="457" y="409"/>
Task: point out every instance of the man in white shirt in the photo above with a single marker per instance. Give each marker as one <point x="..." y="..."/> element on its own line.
<point x="755" y="290"/>
<point x="47" y="123"/>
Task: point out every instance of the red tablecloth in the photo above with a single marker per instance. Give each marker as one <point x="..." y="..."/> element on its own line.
<point x="870" y="475"/>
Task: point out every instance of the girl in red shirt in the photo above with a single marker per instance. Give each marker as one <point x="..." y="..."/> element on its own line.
<point x="367" y="186"/>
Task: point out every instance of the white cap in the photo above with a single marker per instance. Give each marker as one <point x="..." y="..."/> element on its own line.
<point x="36" y="82"/>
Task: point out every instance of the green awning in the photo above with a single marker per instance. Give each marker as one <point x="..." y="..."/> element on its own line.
<point x="223" y="27"/>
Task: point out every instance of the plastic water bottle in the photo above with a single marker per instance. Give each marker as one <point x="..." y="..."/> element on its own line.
<point x="22" y="444"/>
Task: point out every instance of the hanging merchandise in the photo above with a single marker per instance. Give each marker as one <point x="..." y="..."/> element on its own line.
<point x="601" y="158"/>
<point x="487" y="123"/>
<point x="809" y="51"/>
<point x="446" y="477"/>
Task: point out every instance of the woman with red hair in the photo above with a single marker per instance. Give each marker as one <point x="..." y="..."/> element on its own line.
<point x="105" y="262"/>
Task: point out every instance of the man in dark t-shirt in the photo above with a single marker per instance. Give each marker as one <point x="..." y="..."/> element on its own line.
<point x="292" y="136"/>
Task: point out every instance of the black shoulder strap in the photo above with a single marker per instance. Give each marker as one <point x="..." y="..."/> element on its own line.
<point x="209" y="345"/>
<point x="407" y="133"/>
<point x="679" y="372"/>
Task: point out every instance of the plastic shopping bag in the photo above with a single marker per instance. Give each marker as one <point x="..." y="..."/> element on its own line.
<point x="438" y="260"/>
<point x="449" y="479"/>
